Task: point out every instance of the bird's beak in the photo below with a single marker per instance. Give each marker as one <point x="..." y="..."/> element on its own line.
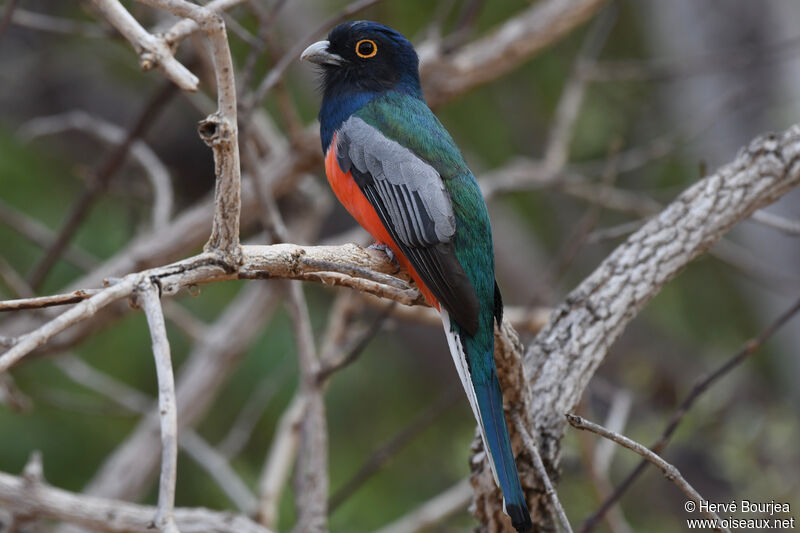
<point x="318" y="53"/>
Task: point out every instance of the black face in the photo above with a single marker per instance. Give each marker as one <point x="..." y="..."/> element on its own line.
<point x="373" y="58"/>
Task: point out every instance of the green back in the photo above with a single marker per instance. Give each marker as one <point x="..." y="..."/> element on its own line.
<point x="409" y="121"/>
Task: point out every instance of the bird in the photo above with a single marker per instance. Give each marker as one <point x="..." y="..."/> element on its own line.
<point x="399" y="173"/>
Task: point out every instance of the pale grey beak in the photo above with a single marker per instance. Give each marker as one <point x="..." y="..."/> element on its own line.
<point x="318" y="53"/>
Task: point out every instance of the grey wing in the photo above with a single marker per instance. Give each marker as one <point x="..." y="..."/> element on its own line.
<point x="410" y="198"/>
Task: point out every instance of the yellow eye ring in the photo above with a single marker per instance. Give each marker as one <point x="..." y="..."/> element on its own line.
<point x="370" y="45"/>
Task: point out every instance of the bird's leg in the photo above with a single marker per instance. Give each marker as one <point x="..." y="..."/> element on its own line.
<point x="385" y="249"/>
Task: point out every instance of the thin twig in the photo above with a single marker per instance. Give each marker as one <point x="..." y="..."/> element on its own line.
<point x="15" y="282"/>
<point x="128" y="471"/>
<point x="670" y="472"/>
<point x="148" y="295"/>
<point x="153" y="51"/>
<point x="280" y="458"/>
<point x="115" y="135"/>
<point x="311" y="476"/>
<point x="220" y="130"/>
<point x="42" y="236"/>
<point x="248" y="416"/>
<point x="276" y="73"/>
<point x="39" y="302"/>
<point x="701" y="385"/>
<point x="11" y="396"/>
<point x="110" y="516"/>
<point x="379" y="457"/>
<point x="48" y="23"/>
<point x="187" y="26"/>
<point x="556" y="150"/>
<point x="786" y="225"/>
<point x="99" y="183"/>
<point x="213" y="462"/>
<point x="111" y="388"/>
<point x="433" y="511"/>
<point x="351" y="354"/>
<point x="81" y="311"/>
<point x="533" y="450"/>
<point x="601" y="482"/>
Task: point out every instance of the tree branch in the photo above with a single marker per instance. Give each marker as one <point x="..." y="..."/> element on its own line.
<point x="220" y="130"/>
<point x="148" y="296"/>
<point x="111" y="516"/>
<point x="670" y="472"/>
<point x="153" y="51"/>
<point x="447" y="76"/>
<point x="564" y="356"/>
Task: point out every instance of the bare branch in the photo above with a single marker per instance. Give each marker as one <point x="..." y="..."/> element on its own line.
<point x="105" y="385"/>
<point x="670" y="472"/>
<point x="565" y="354"/>
<point x="48" y="301"/>
<point x="104" y="173"/>
<point x="786" y="225"/>
<point x="281" y="456"/>
<point x="447" y="76"/>
<point x="153" y="51"/>
<point x="44" y="22"/>
<point x="311" y="492"/>
<point x="377" y="459"/>
<point x="182" y="29"/>
<point x="81" y="311"/>
<point x="205" y="455"/>
<point x="523" y="319"/>
<point x="434" y="511"/>
<point x="111" y="516"/>
<point x="110" y="133"/>
<point x="556" y="150"/>
<point x="218" y="467"/>
<point x="220" y="130"/>
<point x="42" y="236"/>
<point x="276" y="73"/>
<point x="128" y="471"/>
<point x="148" y="296"/>
<point x="248" y="416"/>
<point x="544" y="477"/>
<point x="749" y="348"/>
<point x="275" y="261"/>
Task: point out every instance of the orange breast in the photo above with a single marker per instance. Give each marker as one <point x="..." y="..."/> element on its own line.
<point x="351" y="197"/>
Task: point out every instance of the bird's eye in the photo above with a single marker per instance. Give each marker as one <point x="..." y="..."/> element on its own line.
<point x="366" y="48"/>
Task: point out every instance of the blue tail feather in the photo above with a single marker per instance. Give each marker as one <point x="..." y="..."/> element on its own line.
<point x="474" y="361"/>
<point x="490" y="403"/>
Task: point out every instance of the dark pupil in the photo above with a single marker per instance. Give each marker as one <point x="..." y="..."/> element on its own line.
<point x="365" y="49"/>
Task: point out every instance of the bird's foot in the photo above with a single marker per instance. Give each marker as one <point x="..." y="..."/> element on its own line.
<point x="385" y="249"/>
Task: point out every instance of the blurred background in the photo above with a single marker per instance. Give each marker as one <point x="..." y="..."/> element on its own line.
<point x="668" y="91"/>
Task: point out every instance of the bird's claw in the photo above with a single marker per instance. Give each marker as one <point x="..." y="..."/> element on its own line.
<point x="385" y="249"/>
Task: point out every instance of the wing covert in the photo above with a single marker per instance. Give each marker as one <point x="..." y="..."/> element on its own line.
<point x="410" y="198"/>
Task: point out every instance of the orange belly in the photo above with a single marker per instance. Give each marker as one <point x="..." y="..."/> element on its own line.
<point x="351" y="197"/>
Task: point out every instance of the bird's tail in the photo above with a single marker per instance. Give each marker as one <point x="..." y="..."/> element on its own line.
<point x="486" y="399"/>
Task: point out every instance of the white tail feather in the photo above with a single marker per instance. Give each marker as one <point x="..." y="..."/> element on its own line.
<point x="460" y="360"/>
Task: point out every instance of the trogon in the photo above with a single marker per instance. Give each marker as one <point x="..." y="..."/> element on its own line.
<point x="398" y="172"/>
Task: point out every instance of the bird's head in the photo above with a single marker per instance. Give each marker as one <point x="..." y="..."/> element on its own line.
<point x="365" y="57"/>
